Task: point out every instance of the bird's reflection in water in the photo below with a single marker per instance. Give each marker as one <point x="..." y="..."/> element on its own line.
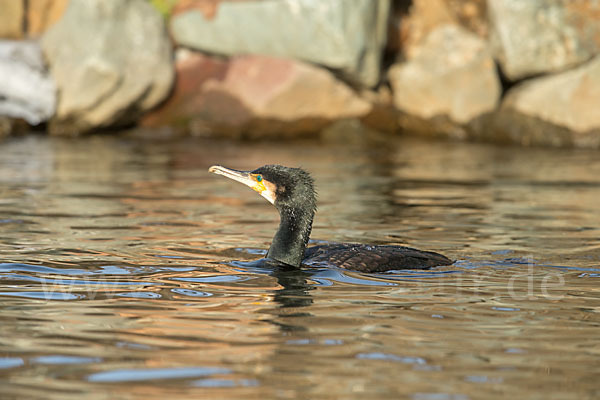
<point x="294" y="289"/>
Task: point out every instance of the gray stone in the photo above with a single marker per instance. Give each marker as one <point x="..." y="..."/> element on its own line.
<point x="111" y="60"/>
<point x="540" y="36"/>
<point x="26" y="89"/>
<point x="344" y="35"/>
<point x="449" y="81"/>
<point x="554" y="110"/>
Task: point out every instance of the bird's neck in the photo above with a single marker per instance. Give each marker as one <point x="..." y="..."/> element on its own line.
<point x="292" y="236"/>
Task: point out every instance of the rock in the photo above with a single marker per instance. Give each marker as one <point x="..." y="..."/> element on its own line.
<point x="255" y="96"/>
<point x="554" y="110"/>
<point x="471" y="14"/>
<point x="11" y="19"/>
<point x="383" y="116"/>
<point x="34" y="15"/>
<point x="193" y="69"/>
<point x="111" y="60"/>
<point x="411" y="23"/>
<point x="26" y="89"/>
<point x="41" y="14"/>
<point x="6" y="126"/>
<point x="342" y="35"/>
<point x="422" y="18"/>
<point x="541" y="36"/>
<point x="450" y="81"/>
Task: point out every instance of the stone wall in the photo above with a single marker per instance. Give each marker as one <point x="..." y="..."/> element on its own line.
<point x="514" y="71"/>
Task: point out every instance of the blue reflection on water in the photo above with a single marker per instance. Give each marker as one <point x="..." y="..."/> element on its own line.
<point x="169" y="257"/>
<point x="13" y="267"/>
<point x="115" y="270"/>
<point x="483" y="379"/>
<point x="10" y="362"/>
<point x="132" y="345"/>
<point x="140" y="295"/>
<point x="254" y="252"/>
<point x="339" y="275"/>
<point x="215" y="383"/>
<point x="58" y="359"/>
<point x="147" y="374"/>
<point x="44" y="280"/>
<point x="391" y="357"/>
<point x="44" y="295"/>
<point x="591" y="269"/>
<point x="95" y="270"/>
<point x="506" y="309"/>
<point x="190" y="292"/>
<point x="102" y="270"/>
<point x="208" y="279"/>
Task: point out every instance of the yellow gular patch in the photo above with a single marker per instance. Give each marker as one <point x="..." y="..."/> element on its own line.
<point x="259" y="187"/>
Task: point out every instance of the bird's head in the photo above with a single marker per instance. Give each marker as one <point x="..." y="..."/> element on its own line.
<point x="284" y="187"/>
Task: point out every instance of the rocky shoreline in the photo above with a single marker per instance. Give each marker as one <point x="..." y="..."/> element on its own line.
<point x="495" y="70"/>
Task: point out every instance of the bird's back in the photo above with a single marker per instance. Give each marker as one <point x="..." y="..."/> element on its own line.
<point x="371" y="258"/>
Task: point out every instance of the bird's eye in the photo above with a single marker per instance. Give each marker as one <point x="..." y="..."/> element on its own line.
<point x="258" y="178"/>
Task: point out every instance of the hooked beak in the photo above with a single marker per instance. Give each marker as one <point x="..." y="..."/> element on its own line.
<point x="247" y="179"/>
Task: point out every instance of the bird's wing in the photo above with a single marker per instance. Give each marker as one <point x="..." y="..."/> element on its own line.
<point x="366" y="258"/>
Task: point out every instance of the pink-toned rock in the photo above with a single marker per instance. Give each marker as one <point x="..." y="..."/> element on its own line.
<point x="192" y="70"/>
<point x="255" y="96"/>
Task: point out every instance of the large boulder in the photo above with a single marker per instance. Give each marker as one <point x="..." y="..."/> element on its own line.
<point x="111" y="60"/>
<point x="255" y="96"/>
<point x="541" y="36"/>
<point x="344" y="35"/>
<point x="26" y="90"/>
<point x="554" y="110"/>
<point x="449" y="81"/>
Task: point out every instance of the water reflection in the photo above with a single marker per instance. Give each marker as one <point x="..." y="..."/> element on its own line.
<point x="127" y="271"/>
<point x="128" y="375"/>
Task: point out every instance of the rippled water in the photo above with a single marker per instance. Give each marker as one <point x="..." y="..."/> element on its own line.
<point x="123" y="273"/>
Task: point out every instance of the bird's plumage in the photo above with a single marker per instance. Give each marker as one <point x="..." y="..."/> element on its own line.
<point x="372" y="258"/>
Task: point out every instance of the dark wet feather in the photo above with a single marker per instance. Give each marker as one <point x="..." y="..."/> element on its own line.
<point x="371" y="258"/>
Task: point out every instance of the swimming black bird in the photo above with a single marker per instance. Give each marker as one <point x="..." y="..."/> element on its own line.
<point x="291" y="191"/>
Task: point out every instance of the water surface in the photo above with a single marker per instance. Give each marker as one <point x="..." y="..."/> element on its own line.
<point x="124" y="274"/>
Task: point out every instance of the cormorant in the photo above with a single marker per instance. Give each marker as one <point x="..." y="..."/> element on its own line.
<point x="291" y="191"/>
